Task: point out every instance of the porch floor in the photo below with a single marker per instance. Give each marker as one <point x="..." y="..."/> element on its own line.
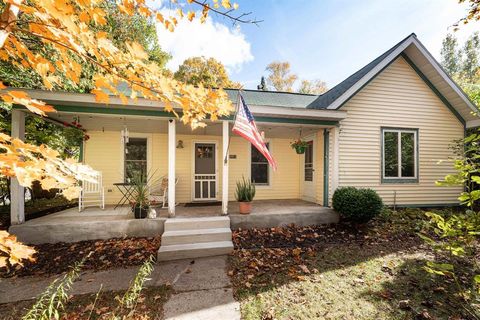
<point x="94" y="223"/>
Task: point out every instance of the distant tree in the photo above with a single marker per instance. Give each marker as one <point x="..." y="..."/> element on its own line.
<point x="281" y="78"/>
<point x="463" y="64"/>
<point x="210" y="72"/>
<point x="262" y="86"/>
<point x="470" y="64"/>
<point x="313" y="87"/>
<point x="450" y="54"/>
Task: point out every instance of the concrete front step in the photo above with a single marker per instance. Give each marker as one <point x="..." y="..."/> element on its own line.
<point x="175" y="224"/>
<point x="194" y="250"/>
<point x="196" y="236"/>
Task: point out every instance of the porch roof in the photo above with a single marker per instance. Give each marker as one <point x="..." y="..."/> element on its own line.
<point x="85" y="103"/>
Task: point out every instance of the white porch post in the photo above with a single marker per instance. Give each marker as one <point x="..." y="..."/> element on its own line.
<point x="335" y="165"/>
<point x="225" y="161"/>
<point x="17" y="198"/>
<point x="171" y="168"/>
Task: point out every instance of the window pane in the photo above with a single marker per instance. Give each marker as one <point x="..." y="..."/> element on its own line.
<point x="134" y="169"/>
<point x="260" y="173"/>
<point x="257" y="156"/>
<point x="135" y="158"/>
<point x="308" y="166"/>
<point x="408" y="154"/>
<point x="259" y="169"/>
<point x="390" y="145"/>
<point x="136" y="149"/>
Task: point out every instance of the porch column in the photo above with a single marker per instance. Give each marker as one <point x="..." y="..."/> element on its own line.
<point x="335" y="165"/>
<point x="17" y="192"/>
<point x="225" y="161"/>
<point x="171" y="168"/>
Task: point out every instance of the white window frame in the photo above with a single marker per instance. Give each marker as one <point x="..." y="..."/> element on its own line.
<point x="399" y="177"/>
<point x="149" y="151"/>
<point x="269" y="176"/>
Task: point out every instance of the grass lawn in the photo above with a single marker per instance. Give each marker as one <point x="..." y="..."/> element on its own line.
<point x="340" y="273"/>
<point x="89" y="306"/>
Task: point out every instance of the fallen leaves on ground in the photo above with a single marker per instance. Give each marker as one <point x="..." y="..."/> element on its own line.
<point x="113" y="253"/>
<point x="89" y="306"/>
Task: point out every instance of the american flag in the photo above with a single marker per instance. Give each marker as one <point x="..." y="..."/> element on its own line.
<point x="245" y="127"/>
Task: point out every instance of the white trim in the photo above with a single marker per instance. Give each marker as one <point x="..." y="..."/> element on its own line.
<point x="225" y="152"/>
<point x="473" y="123"/>
<point x="172" y="149"/>
<point x="313" y="138"/>
<point x="214" y="142"/>
<point x="304" y="113"/>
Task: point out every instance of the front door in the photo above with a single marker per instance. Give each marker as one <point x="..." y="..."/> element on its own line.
<point x="205" y="177"/>
<point x="309" y="193"/>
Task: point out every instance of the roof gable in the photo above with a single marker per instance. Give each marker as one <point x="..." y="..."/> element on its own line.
<point x="418" y="55"/>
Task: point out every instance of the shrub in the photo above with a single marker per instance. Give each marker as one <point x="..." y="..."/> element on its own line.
<point x="357" y="205"/>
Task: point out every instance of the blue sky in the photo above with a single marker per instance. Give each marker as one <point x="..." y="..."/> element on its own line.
<point x="325" y="40"/>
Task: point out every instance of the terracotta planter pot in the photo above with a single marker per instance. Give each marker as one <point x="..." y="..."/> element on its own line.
<point x="245" y="207"/>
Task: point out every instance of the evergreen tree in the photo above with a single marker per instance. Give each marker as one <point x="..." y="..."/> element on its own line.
<point x="262" y="86"/>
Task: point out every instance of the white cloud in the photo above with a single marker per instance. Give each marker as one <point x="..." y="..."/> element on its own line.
<point x="210" y="39"/>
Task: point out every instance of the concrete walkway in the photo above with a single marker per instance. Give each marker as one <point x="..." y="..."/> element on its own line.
<point x="201" y="287"/>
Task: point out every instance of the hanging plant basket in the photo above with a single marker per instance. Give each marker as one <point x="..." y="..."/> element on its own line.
<point x="299" y="146"/>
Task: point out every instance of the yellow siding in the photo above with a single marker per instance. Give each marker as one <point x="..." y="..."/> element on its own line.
<point x="104" y="153"/>
<point x="398" y="97"/>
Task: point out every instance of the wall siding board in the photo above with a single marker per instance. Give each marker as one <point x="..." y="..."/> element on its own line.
<point x="398" y="97"/>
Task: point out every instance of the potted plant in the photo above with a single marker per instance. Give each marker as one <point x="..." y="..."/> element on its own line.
<point x="244" y="194"/>
<point x="299" y="145"/>
<point x="141" y="204"/>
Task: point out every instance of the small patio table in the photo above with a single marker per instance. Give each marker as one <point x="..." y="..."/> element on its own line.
<point x="127" y="191"/>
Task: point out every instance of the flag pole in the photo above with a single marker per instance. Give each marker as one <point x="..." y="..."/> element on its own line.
<point x="234" y="119"/>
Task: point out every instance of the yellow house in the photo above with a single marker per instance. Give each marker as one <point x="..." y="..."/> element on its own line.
<point x="387" y="127"/>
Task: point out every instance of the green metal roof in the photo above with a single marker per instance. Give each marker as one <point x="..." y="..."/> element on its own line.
<point x="273" y="98"/>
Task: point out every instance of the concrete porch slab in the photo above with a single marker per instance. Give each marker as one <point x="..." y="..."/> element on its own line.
<point x="94" y="223"/>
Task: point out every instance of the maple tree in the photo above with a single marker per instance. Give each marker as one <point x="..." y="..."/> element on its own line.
<point x="209" y="72"/>
<point x="70" y="34"/>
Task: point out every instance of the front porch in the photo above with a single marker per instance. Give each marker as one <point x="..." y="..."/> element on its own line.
<point x="93" y="223"/>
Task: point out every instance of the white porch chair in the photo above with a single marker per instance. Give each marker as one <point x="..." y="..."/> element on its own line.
<point x="92" y="193"/>
<point x="159" y="191"/>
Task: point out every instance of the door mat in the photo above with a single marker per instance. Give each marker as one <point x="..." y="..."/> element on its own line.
<point x="203" y="204"/>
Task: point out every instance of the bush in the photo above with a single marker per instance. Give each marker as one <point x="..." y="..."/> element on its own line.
<point x="357" y="205"/>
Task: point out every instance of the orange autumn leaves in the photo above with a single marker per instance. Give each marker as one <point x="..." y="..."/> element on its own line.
<point x="30" y="163"/>
<point x="13" y="252"/>
<point x="68" y="27"/>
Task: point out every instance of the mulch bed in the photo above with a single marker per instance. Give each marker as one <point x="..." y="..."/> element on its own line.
<point x="313" y="236"/>
<point x="113" y="253"/>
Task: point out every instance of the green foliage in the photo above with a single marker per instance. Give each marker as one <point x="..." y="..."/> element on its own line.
<point x="129" y="300"/>
<point x="141" y="185"/>
<point x="455" y="238"/>
<point x="357" y="205"/>
<point x="467" y="168"/>
<point x="245" y="190"/>
<point x="52" y="301"/>
<point x="210" y="73"/>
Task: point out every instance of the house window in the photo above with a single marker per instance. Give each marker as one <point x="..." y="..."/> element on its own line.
<point x="400" y="156"/>
<point x="135" y="158"/>
<point x="259" y="167"/>
<point x="308" y="166"/>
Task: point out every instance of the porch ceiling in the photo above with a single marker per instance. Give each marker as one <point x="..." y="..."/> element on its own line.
<point x="100" y="122"/>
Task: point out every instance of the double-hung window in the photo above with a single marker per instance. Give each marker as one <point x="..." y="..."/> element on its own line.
<point x="400" y="155"/>
<point x="259" y="168"/>
<point x="135" y="158"/>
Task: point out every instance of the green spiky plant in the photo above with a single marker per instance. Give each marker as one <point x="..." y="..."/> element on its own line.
<point x="245" y="190"/>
